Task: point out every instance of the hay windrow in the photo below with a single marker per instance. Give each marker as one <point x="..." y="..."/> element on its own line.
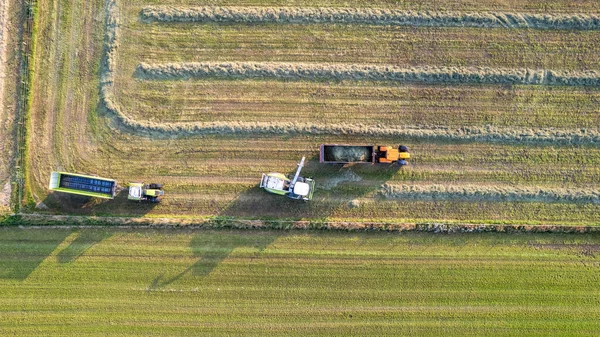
<point x="371" y="16"/>
<point x="431" y="133"/>
<point x="339" y="72"/>
<point x="111" y="44"/>
<point x="496" y="193"/>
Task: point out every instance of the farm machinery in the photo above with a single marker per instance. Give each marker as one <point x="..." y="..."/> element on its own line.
<point x="346" y="154"/>
<point x="295" y="187"/>
<point x="82" y="184"/>
<point x="145" y="192"/>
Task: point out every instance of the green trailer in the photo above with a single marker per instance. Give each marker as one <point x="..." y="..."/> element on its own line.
<point x="83" y="185"/>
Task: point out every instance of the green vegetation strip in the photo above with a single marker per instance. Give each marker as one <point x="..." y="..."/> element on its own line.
<point x="316" y="71"/>
<point x="372" y="16"/>
<point x="99" y="282"/>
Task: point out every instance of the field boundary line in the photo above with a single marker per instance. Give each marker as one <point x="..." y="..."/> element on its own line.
<point x="370" y="16"/>
<point x="45" y="221"/>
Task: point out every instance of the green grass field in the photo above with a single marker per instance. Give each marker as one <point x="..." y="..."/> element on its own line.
<point x="98" y="282"/>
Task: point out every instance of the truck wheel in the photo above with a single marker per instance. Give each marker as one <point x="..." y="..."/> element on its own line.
<point x="402" y="148"/>
<point x="155" y="186"/>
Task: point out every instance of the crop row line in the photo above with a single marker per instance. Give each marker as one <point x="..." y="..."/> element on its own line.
<point x="324" y="71"/>
<point x="371" y="16"/>
<point x="490" y="193"/>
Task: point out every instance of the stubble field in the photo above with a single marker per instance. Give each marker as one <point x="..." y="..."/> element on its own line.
<point x="501" y="116"/>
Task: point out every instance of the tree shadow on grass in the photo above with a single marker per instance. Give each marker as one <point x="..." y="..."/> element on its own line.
<point x="23" y="250"/>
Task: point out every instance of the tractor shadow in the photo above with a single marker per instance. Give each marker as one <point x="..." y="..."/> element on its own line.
<point x="65" y="203"/>
<point x="211" y="247"/>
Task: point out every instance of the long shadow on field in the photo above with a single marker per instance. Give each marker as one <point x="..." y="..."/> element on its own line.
<point x="212" y="247"/>
<point x="86" y="239"/>
<point x="23" y="250"/>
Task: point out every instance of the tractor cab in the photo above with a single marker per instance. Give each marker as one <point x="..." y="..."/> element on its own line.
<point x="388" y="154"/>
<point x="145" y="192"/>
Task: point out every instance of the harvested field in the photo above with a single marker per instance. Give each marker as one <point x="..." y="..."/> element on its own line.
<point x="257" y="283"/>
<point x="197" y="107"/>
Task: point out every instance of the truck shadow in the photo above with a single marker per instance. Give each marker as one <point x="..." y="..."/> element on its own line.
<point x="64" y="203"/>
<point x="342" y="188"/>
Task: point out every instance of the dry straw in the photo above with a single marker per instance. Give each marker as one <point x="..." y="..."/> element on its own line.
<point x="372" y="16"/>
<point x="319" y="71"/>
<point x="490" y="193"/>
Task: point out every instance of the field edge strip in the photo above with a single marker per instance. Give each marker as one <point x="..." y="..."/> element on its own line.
<point x="490" y="193"/>
<point x="372" y="16"/>
<point x="46" y="221"/>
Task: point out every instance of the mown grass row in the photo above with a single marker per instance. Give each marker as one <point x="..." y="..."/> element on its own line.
<point x="497" y="192"/>
<point x="507" y="135"/>
<point x="374" y="16"/>
<point x="315" y="71"/>
<point x="258" y="283"/>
